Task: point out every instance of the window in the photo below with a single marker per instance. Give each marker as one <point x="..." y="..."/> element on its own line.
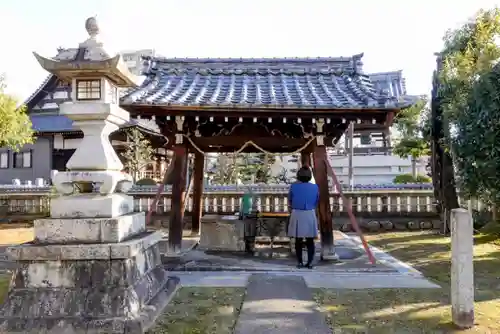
<point x="88" y="89"/>
<point x="22" y="159"/>
<point x="4" y="160"/>
<point x="114" y="94"/>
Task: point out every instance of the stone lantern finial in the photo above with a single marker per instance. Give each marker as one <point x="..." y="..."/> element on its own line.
<point x="92" y="27"/>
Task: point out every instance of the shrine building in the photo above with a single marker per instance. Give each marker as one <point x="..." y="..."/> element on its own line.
<point x="286" y="105"/>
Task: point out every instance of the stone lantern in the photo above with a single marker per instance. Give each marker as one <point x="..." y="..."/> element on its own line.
<point x="93" y="267"/>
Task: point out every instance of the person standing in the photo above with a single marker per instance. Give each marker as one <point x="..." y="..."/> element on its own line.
<point x="303" y="199"/>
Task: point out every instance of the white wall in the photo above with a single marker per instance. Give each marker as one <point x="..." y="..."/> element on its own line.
<point x="370" y="169"/>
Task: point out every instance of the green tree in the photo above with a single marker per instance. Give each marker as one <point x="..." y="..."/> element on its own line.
<point x="408" y="178"/>
<point x="15" y="125"/>
<point x="411" y="142"/>
<point x="264" y="163"/>
<point x="469" y="95"/>
<point x="138" y="152"/>
<point x="225" y="169"/>
<point x="246" y="167"/>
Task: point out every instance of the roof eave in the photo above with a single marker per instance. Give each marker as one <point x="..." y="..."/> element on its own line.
<point x="74" y="131"/>
<point x="113" y="68"/>
<point x="263" y="107"/>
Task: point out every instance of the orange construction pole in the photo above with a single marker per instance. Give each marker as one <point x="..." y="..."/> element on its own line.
<point x="348" y="205"/>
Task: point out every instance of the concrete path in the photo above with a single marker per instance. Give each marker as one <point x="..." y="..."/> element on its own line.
<point x="279" y="305"/>
<point x="312" y="279"/>
<point x="400" y="275"/>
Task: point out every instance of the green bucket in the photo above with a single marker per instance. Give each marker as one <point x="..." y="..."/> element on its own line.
<point x="246" y="204"/>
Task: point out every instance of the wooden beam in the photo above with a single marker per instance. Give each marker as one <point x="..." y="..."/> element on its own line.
<point x="199" y="162"/>
<point x="178" y="198"/>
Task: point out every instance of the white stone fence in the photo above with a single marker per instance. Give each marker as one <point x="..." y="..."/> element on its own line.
<point x="374" y="203"/>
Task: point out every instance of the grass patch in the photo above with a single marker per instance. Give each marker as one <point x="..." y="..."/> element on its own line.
<point x="431" y="254"/>
<point x="201" y="311"/>
<point x="418" y="310"/>
<point x="4" y="286"/>
<point x="401" y="311"/>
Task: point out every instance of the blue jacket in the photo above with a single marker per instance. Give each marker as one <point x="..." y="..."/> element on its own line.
<point x="303" y="196"/>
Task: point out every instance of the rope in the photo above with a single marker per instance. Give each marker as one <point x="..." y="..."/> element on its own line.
<point x="251" y="143"/>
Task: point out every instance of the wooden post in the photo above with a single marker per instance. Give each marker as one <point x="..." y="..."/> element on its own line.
<point x="324" y="211"/>
<point x="199" y="162"/>
<point x="350" y="133"/>
<point x="305" y="159"/>
<point x="178" y="196"/>
<point x="462" y="268"/>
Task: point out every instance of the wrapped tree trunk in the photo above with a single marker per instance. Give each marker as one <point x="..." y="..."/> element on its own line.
<point x="443" y="174"/>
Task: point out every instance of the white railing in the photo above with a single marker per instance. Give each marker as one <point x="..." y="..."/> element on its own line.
<point x="150" y="175"/>
<point x="268" y="198"/>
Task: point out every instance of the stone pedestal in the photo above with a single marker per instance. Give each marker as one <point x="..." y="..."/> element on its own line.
<point x="222" y="233"/>
<point x="65" y="284"/>
<point x="328" y="252"/>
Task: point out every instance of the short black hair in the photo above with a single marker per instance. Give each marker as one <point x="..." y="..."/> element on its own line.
<point x="304" y="174"/>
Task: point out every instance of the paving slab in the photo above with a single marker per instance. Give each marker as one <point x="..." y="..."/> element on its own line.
<point x="352" y="260"/>
<point x="213" y="279"/>
<point x="279" y="305"/>
<point x="383" y="257"/>
<point x="313" y="279"/>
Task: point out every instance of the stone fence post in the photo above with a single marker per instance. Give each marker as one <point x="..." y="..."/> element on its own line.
<point x="462" y="268"/>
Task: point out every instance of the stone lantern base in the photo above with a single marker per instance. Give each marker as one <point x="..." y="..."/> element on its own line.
<point x="113" y="287"/>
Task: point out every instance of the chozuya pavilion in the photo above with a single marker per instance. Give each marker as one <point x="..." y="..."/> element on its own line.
<point x="93" y="267"/>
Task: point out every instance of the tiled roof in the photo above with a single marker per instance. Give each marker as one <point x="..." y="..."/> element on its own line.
<point x="51" y="123"/>
<point x="61" y="123"/>
<point x="330" y="83"/>
<point x="40" y="88"/>
<point x="393" y="82"/>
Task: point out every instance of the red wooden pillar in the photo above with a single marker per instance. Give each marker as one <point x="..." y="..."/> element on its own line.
<point x="199" y="162"/>
<point x="178" y="196"/>
<point x="324" y="210"/>
<point x="305" y="159"/>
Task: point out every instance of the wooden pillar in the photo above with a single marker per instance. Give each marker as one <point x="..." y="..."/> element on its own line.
<point x="324" y="211"/>
<point x="199" y="164"/>
<point x="178" y="179"/>
<point x="305" y="159"/>
<point x="351" y="154"/>
<point x="178" y="197"/>
<point x="154" y="164"/>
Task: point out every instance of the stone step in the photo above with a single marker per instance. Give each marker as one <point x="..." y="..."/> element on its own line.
<point x="279" y="305"/>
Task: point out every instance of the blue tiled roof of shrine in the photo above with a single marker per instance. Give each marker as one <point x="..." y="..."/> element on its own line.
<point x="61" y="123"/>
<point x="51" y="123"/>
<point x="329" y="83"/>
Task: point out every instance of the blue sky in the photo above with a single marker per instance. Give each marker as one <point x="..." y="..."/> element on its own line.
<point x="392" y="34"/>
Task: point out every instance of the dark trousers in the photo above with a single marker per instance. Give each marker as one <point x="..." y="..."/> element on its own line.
<point x="299" y="245"/>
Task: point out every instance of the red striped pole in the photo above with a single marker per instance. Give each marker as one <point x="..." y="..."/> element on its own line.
<point x="348" y="205"/>
<point x="158" y="193"/>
